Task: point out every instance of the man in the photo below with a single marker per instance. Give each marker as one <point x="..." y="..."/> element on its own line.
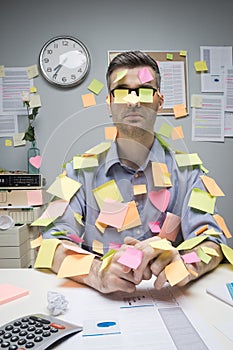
<point x="129" y="162"/>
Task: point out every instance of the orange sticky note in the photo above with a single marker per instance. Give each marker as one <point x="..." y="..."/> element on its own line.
<point x="9" y="292"/>
<point x="110" y="132"/>
<point x="97" y="247"/>
<point x="177" y="133"/>
<point x="88" y="100"/>
<point x="75" y="265"/>
<point x="202" y="229"/>
<point x="176" y="272"/>
<point x="211" y="186"/>
<point x="221" y="223"/>
<point x="179" y="111"/>
<point x="139" y="189"/>
<point x="132" y="218"/>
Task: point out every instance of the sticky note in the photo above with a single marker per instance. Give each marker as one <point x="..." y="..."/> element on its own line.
<point x="95" y="86"/>
<point x="80" y="162"/>
<point x="35" y="243"/>
<point x="46" y="252"/>
<point x="160" y="199"/>
<point x="2" y="71"/>
<point x="161" y="176"/>
<point x="88" y="100"/>
<point x="35" y="101"/>
<point x="131" y="257"/>
<point x="205" y="258"/>
<point x="179" y="111"/>
<point x="132" y="217"/>
<point x="162" y="244"/>
<point x="221" y="223"/>
<point x="228" y="252"/>
<point x="191" y="243"/>
<point x="190" y="258"/>
<point x="145" y="75"/>
<point x="32" y="71"/>
<point x="10" y="292"/>
<point x="210" y="251"/>
<point x="201" y="230"/>
<point x="8" y="143"/>
<point x="187" y="159"/>
<point x="183" y="53"/>
<point x="165" y="130"/>
<point x="202" y="200"/>
<point x="110" y="132"/>
<point x="139" y="189"/>
<point x="78" y="218"/>
<point x="64" y="187"/>
<point x="120" y="75"/>
<point x="211" y="186"/>
<point x="100" y="148"/>
<point x="200" y="66"/>
<point x="196" y="101"/>
<point x="177" y="133"/>
<point x="18" y="139"/>
<point x="146" y="95"/>
<point x="176" y="272"/>
<point x="106" y="259"/>
<point x="154" y="226"/>
<point x="97" y="247"/>
<point x="169" y="56"/>
<point x="107" y="190"/>
<point x="113" y="213"/>
<point x="34" y="197"/>
<point x="131" y="98"/>
<point x="75" y="265"/>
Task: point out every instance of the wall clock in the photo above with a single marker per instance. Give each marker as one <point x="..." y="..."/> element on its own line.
<point x="64" y="61"/>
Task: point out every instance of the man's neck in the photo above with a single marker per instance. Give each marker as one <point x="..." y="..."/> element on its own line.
<point x="133" y="153"/>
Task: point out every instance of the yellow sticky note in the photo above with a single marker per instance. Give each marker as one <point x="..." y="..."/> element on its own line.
<point x="200" y="66"/>
<point x="120" y="75"/>
<point x="191" y="243"/>
<point x="46" y="252"/>
<point x="210" y="251"/>
<point x="205" y="258"/>
<point x="202" y="200"/>
<point x="162" y="244"/>
<point x="139" y="189"/>
<point x="107" y="260"/>
<point x="177" y="133"/>
<point x="33" y="89"/>
<point x="101" y="226"/>
<point x="80" y="162"/>
<point x="64" y="187"/>
<point x="161" y="176"/>
<point x="169" y="56"/>
<point x="146" y="95"/>
<point x="35" y="101"/>
<point x="211" y="186"/>
<point x="32" y="71"/>
<point x="8" y="143"/>
<point x="107" y="190"/>
<point x="179" y="110"/>
<point x="165" y="130"/>
<point x="228" y="252"/>
<point x="78" y="218"/>
<point x="88" y="100"/>
<point x="221" y="223"/>
<point x="95" y="86"/>
<point x="183" y="53"/>
<point x="120" y="95"/>
<point x="2" y="71"/>
<point x="100" y="148"/>
<point x="187" y="159"/>
<point x="176" y="272"/>
<point x="97" y="247"/>
<point x="75" y="265"/>
<point x="110" y="132"/>
<point x="42" y="222"/>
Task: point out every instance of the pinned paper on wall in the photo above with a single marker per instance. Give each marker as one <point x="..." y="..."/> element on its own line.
<point x="200" y="66"/>
<point x="202" y="200"/>
<point x="32" y="71"/>
<point x="64" y="187"/>
<point x="179" y="111"/>
<point x="107" y="190"/>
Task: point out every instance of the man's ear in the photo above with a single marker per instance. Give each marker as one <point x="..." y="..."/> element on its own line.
<point x="161" y="101"/>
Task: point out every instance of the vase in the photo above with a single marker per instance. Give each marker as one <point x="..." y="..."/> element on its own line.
<point x="33" y="159"/>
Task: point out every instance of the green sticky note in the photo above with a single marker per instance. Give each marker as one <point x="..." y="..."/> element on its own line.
<point x="146" y="95"/>
<point x="165" y="130"/>
<point x="187" y="159"/>
<point x="205" y="258"/>
<point x="95" y="86"/>
<point x="202" y="200"/>
<point x="169" y="56"/>
<point x="228" y="252"/>
<point x="80" y="162"/>
<point x="191" y="243"/>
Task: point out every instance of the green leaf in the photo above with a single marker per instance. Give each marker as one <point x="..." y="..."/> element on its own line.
<point x="29" y="134"/>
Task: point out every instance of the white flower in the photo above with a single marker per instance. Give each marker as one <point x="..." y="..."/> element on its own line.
<point x="25" y="95"/>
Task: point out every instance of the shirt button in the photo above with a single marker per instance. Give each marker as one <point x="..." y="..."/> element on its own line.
<point x="138" y="232"/>
<point x="136" y="175"/>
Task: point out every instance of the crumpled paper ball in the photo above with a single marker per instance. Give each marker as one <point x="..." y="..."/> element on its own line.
<point x="57" y="303"/>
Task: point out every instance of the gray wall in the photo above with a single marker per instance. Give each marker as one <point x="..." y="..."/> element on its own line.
<point x="104" y="25"/>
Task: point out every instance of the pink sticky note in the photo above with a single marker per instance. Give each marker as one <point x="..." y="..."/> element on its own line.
<point x="131" y="257"/>
<point x="113" y="213"/>
<point x="160" y="199"/>
<point x="10" y="292"/>
<point x="113" y="245"/>
<point x="154" y="226"/>
<point x="191" y="258"/>
<point x="36" y="161"/>
<point x="145" y="75"/>
<point x="34" y="197"/>
<point x="75" y="238"/>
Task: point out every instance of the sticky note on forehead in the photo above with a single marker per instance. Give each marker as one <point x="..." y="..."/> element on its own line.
<point x="145" y="75"/>
<point x="120" y="75"/>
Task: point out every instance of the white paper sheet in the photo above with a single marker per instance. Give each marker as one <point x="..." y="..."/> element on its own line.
<point x="217" y="58"/>
<point x="208" y="121"/>
<point x="228" y="124"/>
<point x="8" y="124"/>
<point x="228" y="89"/>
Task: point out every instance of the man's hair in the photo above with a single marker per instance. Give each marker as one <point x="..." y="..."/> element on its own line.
<point x="132" y="59"/>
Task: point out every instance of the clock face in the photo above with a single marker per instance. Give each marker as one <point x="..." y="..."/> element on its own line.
<point x="64" y="61"/>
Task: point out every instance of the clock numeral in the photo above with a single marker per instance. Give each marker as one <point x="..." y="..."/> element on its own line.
<point x="64" y="79"/>
<point x="49" y="52"/>
<point x="49" y="69"/>
<point x="65" y="43"/>
<point x="55" y="45"/>
<point x="46" y="60"/>
<point x="80" y="70"/>
<point x="73" y="76"/>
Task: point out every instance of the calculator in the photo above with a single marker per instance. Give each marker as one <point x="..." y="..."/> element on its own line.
<point x="35" y="331"/>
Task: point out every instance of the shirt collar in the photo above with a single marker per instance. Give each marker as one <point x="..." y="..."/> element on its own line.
<point x="156" y="154"/>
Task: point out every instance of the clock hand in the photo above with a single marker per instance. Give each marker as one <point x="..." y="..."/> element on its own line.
<point x="58" y="67"/>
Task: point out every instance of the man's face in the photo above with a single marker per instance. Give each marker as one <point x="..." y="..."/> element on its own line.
<point x="134" y="116"/>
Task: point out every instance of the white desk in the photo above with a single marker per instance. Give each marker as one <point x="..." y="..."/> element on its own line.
<point x="138" y="328"/>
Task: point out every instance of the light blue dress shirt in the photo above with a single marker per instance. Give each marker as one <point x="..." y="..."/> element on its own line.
<point x="183" y="180"/>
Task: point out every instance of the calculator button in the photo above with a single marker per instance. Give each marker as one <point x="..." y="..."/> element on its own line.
<point x="15" y="330"/>
<point x="2" y="332"/>
<point x="30" y="336"/>
<point x="5" y="344"/>
<point x="38" y="331"/>
<point x="22" y="333"/>
<point x="22" y="341"/>
<point x="38" y="339"/>
<point x="29" y="345"/>
<point x="46" y="334"/>
<point x="9" y="327"/>
<point x="57" y="325"/>
<point x="31" y="328"/>
<point x="24" y="325"/>
<point x="13" y="347"/>
<point x="14" y="338"/>
<point x="7" y="335"/>
<point x="54" y="330"/>
<point x="39" y="319"/>
<point x="17" y="323"/>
